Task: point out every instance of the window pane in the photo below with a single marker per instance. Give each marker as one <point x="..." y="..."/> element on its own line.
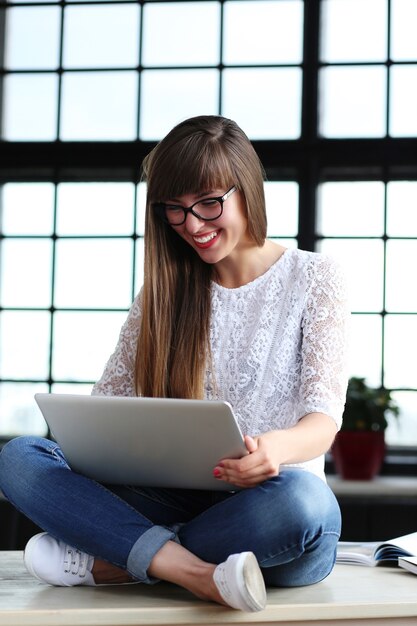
<point x="365" y="279"/>
<point x="163" y="100"/>
<point x="403" y="432"/>
<point x="140" y="208"/>
<point x="366" y="330"/>
<point x="83" y="343"/>
<point x="32" y="38"/>
<point x="25" y="273"/>
<point x="401" y="257"/>
<point x="93" y="273"/>
<point x="95" y="209"/>
<point x="263" y="32"/>
<point x="77" y="388"/>
<point x="181" y="33"/>
<point x="275" y="95"/>
<point x="99" y="106"/>
<point x="30" y="107"/>
<point x="282" y="208"/>
<point x="101" y="36"/>
<point x="101" y="1"/>
<point x="354" y="30"/>
<point x="20" y="414"/>
<point x="27" y="208"/>
<point x="403" y="30"/>
<point x="353" y="102"/>
<point x="31" y="1"/>
<point x="400" y="350"/>
<point x="351" y="209"/>
<point x="403" y="101"/>
<point x="24" y="344"/>
<point x="401" y="209"/>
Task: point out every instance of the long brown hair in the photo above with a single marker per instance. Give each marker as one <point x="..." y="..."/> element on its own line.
<point x="204" y="152"/>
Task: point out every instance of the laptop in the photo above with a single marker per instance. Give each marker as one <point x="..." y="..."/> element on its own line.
<point x="155" y="442"/>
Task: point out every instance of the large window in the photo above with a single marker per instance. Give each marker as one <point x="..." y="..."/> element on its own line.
<point x="128" y="70"/>
<point x="327" y="91"/>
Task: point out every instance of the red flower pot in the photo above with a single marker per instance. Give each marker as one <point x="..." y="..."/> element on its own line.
<point x="358" y="455"/>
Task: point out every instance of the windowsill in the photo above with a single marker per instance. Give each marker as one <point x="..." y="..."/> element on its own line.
<point x="385" y="486"/>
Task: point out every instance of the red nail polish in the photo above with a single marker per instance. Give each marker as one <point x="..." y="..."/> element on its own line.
<point x="216" y="472"/>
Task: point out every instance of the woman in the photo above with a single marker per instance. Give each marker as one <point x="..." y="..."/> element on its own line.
<point x="223" y="314"/>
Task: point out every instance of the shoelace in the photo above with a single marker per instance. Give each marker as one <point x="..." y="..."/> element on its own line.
<point x="75" y="562"/>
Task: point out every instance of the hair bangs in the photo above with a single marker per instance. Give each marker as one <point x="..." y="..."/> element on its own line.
<point x="198" y="166"/>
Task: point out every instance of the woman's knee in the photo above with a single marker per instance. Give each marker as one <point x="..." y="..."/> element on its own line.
<point x="20" y="448"/>
<point x="313" y="504"/>
<point x="21" y="461"/>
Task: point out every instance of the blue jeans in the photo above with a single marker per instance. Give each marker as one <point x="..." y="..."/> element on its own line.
<point x="291" y="522"/>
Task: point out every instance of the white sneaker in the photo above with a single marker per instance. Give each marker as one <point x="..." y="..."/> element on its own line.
<point x="56" y="563"/>
<point x="240" y="582"/>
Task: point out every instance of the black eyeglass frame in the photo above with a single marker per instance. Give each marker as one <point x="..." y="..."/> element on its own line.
<point x="160" y="208"/>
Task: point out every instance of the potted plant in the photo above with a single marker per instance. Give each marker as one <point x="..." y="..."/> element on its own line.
<point x="359" y="448"/>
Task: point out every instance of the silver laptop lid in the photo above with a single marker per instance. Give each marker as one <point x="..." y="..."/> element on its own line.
<point x="144" y="441"/>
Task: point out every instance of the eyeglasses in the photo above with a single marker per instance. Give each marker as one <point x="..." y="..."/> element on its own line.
<point x="208" y="209"/>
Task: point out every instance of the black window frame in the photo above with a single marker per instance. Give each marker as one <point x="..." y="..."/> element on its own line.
<point x="309" y="161"/>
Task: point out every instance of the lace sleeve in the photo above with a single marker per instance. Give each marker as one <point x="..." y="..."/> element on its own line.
<point x="325" y="341"/>
<point x="118" y="378"/>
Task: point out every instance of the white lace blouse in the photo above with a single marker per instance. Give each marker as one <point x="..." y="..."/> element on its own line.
<point x="278" y="344"/>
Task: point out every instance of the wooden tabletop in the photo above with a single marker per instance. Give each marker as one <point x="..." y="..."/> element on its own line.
<point x="363" y="596"/>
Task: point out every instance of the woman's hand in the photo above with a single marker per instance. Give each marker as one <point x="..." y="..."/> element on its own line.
<point x="308" y="439"/>
<point x="260" y="464"/>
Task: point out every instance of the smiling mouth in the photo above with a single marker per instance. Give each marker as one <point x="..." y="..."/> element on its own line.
<point x="206" y="238"/>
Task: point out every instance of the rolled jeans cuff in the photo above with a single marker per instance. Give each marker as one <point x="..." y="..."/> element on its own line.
<point x="145" y="549"/>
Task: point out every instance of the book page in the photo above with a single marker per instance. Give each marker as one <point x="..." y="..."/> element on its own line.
<point x="392" y="549"/>
<point x="373" y="552"/>
<point x="359" y="553"/>
<point x="409" y="563"/>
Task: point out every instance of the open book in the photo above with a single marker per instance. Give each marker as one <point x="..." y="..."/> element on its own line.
<point x="409" y="563"/>
<point x="372" y="553"/>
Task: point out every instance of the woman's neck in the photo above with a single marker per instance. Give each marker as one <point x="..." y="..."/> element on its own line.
<point x="242" y="268"/>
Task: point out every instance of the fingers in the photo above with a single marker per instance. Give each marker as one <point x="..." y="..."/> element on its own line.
<point x="246" y="482"/>
<point x="251" y="443"/>
<point x="249" y="470"/>
<point x="243" y="480"/>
